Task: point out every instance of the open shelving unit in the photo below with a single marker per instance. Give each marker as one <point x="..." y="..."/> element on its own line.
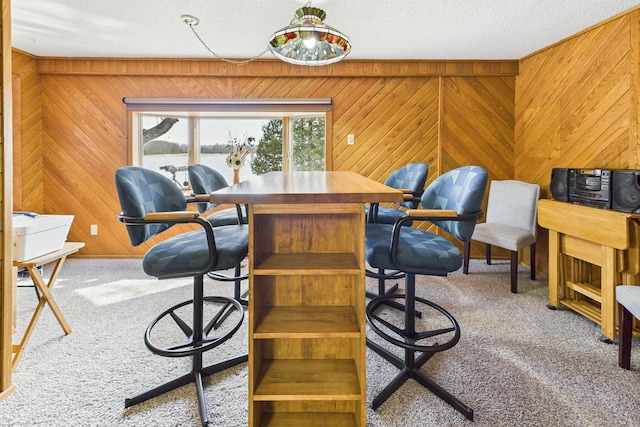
<point x="307" y="336"/>
<point x="307" y="328"/>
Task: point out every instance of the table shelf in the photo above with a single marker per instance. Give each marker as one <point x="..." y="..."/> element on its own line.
<point x="586" y="289"/>
<point x="307" y="263"/>
<point x="308" y="379"/>
<point x="309" y="419"/>
<point x="308" y="322"/>
<point x="586" y="308"/>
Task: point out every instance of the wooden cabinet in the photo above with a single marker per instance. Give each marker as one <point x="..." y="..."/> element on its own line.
<point x="307" y="337"/>
<point x="591" y="251"/>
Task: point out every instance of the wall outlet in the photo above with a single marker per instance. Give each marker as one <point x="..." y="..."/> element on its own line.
<point x="351" y="139"/>
<point x="94" y="229"/>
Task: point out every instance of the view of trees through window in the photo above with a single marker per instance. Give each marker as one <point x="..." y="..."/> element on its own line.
<point x="170" y="143"/>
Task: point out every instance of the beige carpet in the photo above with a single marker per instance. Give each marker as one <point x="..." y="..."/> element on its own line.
<point x="517" y="364"/>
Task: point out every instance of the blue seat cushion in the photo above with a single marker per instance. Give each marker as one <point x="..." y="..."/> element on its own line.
<point x="188" y="252"/>
<point x="418" y="249"/>
<point x="388" y="215"/>
<point x="225" y="217"/>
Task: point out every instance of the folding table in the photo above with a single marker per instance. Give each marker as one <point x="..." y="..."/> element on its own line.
<point x="46" y="297"/>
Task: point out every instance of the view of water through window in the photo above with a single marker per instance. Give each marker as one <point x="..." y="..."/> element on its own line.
<point x="212" y="132"/>
<point x="168" y="142"/>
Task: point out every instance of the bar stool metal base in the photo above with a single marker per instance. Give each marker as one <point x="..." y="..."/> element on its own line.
<point x="237" y="278"/>
<point x="197" y="342"/>
<point x="410" y="340"/>
<point x="382" y="276"/>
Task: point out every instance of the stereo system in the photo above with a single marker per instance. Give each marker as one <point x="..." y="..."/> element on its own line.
<point x="616" y="189"/>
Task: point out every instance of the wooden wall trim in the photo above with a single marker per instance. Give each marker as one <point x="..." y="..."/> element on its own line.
<point x="6" y="156"/>
<point x="272" y="68"/>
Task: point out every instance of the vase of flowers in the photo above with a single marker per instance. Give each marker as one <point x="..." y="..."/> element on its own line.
<point x="238" y="150"/>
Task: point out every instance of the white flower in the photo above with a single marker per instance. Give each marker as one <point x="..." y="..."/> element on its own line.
<point x="235" y="160"/>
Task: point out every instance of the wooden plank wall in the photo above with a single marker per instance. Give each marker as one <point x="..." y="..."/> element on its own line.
<point x="28" y="138"/>
<point x="394" y="110"/>
<point x="567" y="103"/>
<point x="577" y="102"/>
<point x="7" y="290"/>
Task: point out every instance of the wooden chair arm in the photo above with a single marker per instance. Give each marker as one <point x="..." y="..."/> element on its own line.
<point x="171" y="216"/>
<point x="198" y="198"/>
<point x="432" y="212"/>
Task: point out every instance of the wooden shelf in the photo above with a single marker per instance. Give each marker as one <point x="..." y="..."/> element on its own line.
<point x="307" y="263"/>
<point x="589" y="310"/>
<point x="586" y="289"/>
<point x="309" y="419"/>
<point x="307" y="379"/>
<point x="307" y="322"/>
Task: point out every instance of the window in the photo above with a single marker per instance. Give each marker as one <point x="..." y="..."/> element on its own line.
<point x="167" y="135"/>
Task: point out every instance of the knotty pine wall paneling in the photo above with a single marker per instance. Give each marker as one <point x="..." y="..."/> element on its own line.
<point x="28" y="137"/>
<point x="7" y="290"/>
<point x="577" y="103"/>
<point x="477" y="122"/>
<point x="393" y="109"/>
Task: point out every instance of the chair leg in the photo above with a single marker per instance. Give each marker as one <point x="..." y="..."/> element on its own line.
<point x="625" y="325"/>
<point x="241" y="298"/>
<point x="488" y="253"/>
<point x="514" y="272"/>
<point x="532" y="250"/>
<point x="465" y="259"/>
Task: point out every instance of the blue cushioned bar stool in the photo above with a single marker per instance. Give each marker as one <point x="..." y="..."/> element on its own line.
<point x="151" y="204"/>
<point x="411" y="179"/>
<point x="205" y="180"/>
<point x="453" y="203"/>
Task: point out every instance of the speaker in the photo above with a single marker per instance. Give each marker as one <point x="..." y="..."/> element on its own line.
<point x="625" y="191"/>
<point x="560" y="184"/>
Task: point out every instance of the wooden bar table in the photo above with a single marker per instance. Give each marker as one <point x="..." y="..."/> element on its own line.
<point x="307" y="336"/>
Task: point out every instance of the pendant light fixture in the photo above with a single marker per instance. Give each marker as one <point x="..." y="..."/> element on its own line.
<point x="309" y="41"/>
<point x="306" y="41"/>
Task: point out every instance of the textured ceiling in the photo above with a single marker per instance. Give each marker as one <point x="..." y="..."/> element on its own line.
<point x="378" y="29"/>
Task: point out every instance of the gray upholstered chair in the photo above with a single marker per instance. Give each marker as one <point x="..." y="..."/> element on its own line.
<point x="453" y="203"/>
<point x="511" y="222"/>
<point x="151" y="203"/>
<point x="628" y="298"/>
<point x="205" y="180"/>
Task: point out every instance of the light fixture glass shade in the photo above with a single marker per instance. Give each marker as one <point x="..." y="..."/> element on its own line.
<point x="309" y="41"/>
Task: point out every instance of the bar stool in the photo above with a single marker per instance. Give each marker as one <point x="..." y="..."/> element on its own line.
<point x="452" y="202"/>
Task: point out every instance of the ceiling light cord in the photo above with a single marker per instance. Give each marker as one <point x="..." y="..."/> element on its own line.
<point x="192" y="21"/>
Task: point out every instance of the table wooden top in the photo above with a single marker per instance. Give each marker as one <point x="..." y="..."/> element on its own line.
<point x="67" y="249"/>
<point x="307" y="187"/>
<point x="603" y="226"/>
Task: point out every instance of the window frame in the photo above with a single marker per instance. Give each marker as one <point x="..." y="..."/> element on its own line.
<point x="191" y="108"/>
